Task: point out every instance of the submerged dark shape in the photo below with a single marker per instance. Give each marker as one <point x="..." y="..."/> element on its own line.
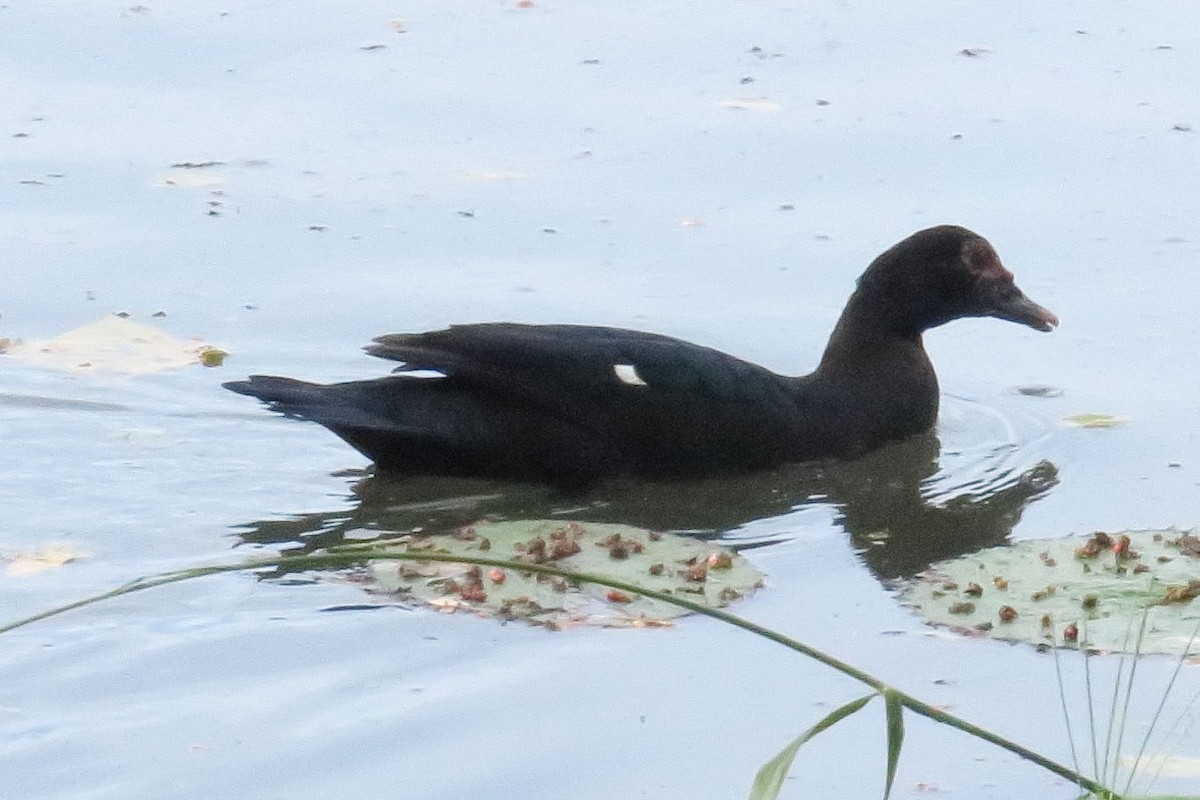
<point x="567" y="404"/>
<point x="897" y="514"/>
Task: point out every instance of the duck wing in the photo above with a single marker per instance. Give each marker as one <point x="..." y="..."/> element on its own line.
<point x="569" y="403"/>
<point x="559" y="365"/>
<point x="559" y="403"/>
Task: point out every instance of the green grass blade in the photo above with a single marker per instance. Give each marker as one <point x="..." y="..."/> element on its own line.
<point x="895" y="736"/>
<point x="1091" y="708"/>
<point x="1123" y="722"/>
<point x="135" y="585"/>
<point x="1108" y="757"/>
<point x="1162" y="702"/>
<point x="769" y="780"/>
<point x="346" y="556"/>
<point x="1062" y="697"/>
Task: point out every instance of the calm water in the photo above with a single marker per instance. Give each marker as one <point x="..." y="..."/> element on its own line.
<point x="568" y="164"/>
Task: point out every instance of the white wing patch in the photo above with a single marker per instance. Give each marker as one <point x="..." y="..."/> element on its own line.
<point x="628" y="375"/>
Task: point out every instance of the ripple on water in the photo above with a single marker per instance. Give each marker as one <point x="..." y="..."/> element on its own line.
<point x="986" y="448"/>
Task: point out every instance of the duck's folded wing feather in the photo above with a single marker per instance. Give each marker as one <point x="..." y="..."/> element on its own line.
<point x="579" y="360"/>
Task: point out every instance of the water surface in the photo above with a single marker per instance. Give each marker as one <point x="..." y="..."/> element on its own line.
<point x="720" y="172"/>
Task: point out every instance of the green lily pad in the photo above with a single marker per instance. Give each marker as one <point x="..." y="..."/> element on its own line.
<point x="691" y="568"/>
<point x="1072" y="592"/>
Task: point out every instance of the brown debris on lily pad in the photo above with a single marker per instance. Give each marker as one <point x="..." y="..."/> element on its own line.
<point x="695" y="569"/>
<point x="1080" y="592"/>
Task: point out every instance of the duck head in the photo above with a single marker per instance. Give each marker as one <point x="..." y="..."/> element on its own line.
<point x="938" y="275"/>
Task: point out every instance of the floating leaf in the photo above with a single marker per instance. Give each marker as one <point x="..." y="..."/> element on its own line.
<point x="492" y="175"/>
<point x="115" y="345"/>
<point x="1039" y="390"/>
<point x="692" y="568"/>
<point x="749" y="104"/>
<point x="1074" y="591"/>
<point x="212" y="356"/>
<point x="1170" y="765"/>
<point x="1094" y="421"/>
<point x="193" y="175"/>
<point x="48" y="557"/>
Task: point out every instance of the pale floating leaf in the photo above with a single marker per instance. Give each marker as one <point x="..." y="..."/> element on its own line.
<point x="46" y="558"/>
<point x="114" y="346"/>
<point x="492" y="175"/>
<point x="1168" y="765"/>
<point x="749" y="104"/>
<point x="1094" y="421"/>
<point x="145" y="438"/>
<point x="691" y="568"/>
<point x="192" y="177"/>
<point x="1072" y="592"/>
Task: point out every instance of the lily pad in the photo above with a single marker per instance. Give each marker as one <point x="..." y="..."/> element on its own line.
<point x="1075" y="592"/>
<point x="691" y="568"/>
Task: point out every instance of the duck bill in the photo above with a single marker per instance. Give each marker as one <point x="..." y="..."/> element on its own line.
<point x="1019" y="308"/>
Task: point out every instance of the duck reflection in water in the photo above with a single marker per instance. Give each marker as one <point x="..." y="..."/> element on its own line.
<point x="889" y="502"/>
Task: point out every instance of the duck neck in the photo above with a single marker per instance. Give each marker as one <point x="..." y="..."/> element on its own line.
<point x="865" y="332"/>
<point x="880" y="367"/>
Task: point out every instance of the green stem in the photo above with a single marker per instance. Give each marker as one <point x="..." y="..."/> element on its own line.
<point x="345" y="556"/>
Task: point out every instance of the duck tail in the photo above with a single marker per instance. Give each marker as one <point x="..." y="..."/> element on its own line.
<point x="277" y="391"/>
